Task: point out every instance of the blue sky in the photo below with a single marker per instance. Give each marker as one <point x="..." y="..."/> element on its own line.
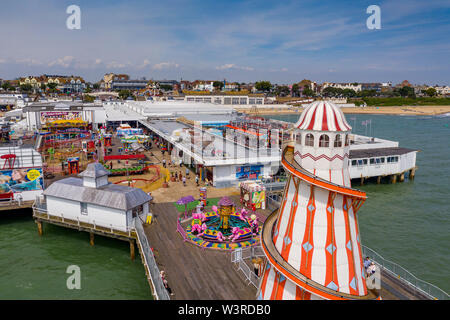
<point x="280" y="41"/>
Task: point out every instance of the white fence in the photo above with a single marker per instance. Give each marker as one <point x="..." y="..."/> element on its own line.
<point x="239" y="255"/>
<point x="159" y="290"/>
<point x="404" y="275"/>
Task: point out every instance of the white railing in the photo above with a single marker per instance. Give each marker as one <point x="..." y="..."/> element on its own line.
<point x="159" y="291"/>
<point x="404" y="275"/>
<point x="239" y="255"/>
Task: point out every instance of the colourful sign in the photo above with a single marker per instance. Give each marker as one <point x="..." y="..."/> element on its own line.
<point x="19" y="180"/>
<point x="50" y="116"/>
<point x="248" y="172"/>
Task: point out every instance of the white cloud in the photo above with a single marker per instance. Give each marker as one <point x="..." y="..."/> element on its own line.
<point x="65" y="62"/>
<point x="165" y="65"/>
<point x="230" y="66"/>
<point x="29" y="62"/>
<point x="144" y="64"/>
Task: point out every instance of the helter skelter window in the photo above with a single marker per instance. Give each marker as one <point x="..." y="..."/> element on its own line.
<point x="309" y="140"/>
<point x="338" y="141"/>
<point x="298" y="138"/>
<point x="324" y="141"/>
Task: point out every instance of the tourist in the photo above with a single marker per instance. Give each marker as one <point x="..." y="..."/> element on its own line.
<point x="173" y="162"/>
<point x="164" y="163"/>
<point x="110" y="165"/>
<point x="184" y="181"/>
<point x="196" y="180"/>
<point x="256" y="268"/>
<point x="367" y="263"/>
<point x="181" y="162"/>
<point x="176" y="176"/>
<point x="180" y="176"/>
<point x="187" y="173"/>
<point x="371" y="269"/>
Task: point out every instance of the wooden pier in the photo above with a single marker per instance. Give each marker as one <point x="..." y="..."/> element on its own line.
<point x="40" y="217"/>
<point x="15" y="205"/>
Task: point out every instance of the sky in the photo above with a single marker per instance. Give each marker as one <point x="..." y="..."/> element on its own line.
<point x="245" y="41"/>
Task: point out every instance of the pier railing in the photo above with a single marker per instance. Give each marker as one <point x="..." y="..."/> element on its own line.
<point x="404" y="275"/>
<point x="238" y="257"/>
<point x="159" y="291"/>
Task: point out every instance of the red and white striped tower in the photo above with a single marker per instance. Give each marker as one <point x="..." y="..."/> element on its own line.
<point x="312" y="241"/>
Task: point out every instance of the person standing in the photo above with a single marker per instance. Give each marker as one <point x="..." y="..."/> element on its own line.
<point x="187" y="172"/>
<point x="184" y="181"/>
<point x="164" y="163"/>
<point x="196" y="180"/>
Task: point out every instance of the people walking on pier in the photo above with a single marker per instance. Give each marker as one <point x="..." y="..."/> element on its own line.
<point x="367" y="263"/>
<point x="176" y="176"/>
<point x="184" y="181"/>
<point x="187" y="173"/>
<point x="196" y="180"/>
<point x="165" y="282"/>
<point x="180" y="176"/>
<point x="371" y="269"/>
<point x="164" y="163"/>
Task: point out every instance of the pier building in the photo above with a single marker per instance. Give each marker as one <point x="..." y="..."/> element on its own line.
<point x="94" y="201"/>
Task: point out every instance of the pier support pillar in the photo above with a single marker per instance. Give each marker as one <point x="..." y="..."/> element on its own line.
<point x="39" y="225"/>
<point x="91" y="238"/>
<point x="412" y="173"/>
<point x="378" y="179"/>
<point x="362" y="180"/>
<point x="132" y="252"/>
<point x="394" y="178"/>
<point x="402" y="177"/>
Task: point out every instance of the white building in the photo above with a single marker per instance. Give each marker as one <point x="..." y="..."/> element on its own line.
<point x="235" y="100"/>
<point x="354" y="86"/>
<point x="442" y="90"/>
<point x="38" y="114"/>
<point x="94" y="200"/>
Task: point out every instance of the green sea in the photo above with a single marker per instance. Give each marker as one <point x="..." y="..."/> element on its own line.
<point x="407" y="223"/>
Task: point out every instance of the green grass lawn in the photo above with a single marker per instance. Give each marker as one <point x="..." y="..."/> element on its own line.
<point x="192" y="205"/>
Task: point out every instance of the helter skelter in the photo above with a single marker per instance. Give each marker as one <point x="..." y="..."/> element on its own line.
<point x="312" y="241"/>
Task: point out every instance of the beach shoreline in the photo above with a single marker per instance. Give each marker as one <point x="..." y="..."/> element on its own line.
<point x="396" y="110"/>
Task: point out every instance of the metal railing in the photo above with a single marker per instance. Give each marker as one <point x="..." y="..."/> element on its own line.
<point x="404" y="275"/>
<point x="238" y="257"/>
<point x="159" y="291"/>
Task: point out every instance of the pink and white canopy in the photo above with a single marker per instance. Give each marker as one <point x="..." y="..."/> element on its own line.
<point x="323" y="116"/>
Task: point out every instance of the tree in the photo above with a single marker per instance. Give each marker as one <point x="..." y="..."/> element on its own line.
<point x="165" y="87"/>
<point x="406" y="91"/>
<point x="52" y="86"/>
<point x="96" y="86"/>
<point x="88" y="98"/>
<point x="308" y="92"/>
<point x="282" y="91"/>
<point x="295" y="90"/>
<point x="43" y="86"/>
<point x="218" y="85"/>
<point x="6" y="86"/>
<point x="124" y="94"/>
<point x="264" y="86"/>
<point x="26" y="87"/>
<point x="430" y="92"/>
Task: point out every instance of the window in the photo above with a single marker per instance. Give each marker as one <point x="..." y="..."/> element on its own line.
<point x="346" y="140"/>
<point x="354" y="162"/>
<point x="298" y="138"/>
<point x="324" y="141"/>
<point x="338" y="141"/>
<point x="309" y="141"/>
<point x="83" y="208"/>
<point x="372" y="160"/>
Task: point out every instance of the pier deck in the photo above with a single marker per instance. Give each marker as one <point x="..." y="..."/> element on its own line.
<point x="193" y="273"/>
<point x="14" y="205"/>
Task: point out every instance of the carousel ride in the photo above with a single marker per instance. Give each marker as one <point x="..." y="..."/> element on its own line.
<point x="224" y="227"/>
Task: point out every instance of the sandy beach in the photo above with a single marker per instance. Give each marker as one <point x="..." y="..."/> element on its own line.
<point x="398" y="110"/>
